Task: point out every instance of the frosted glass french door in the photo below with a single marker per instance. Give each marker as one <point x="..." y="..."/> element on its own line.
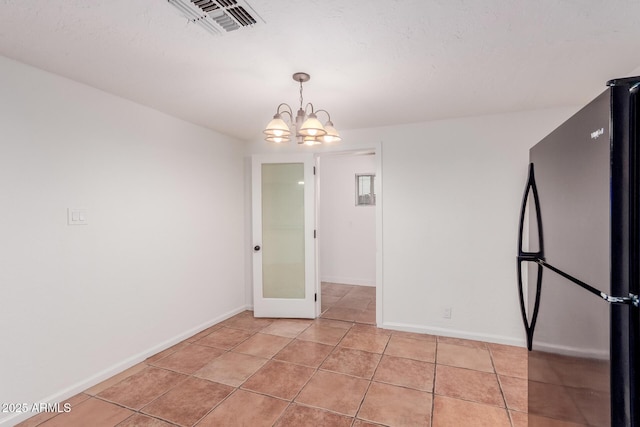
<point x="283" y="196"/>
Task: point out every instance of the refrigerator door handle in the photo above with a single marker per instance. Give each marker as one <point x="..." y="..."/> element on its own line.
<point x="538" y="258"/>
<point x="632" y="299"/>
<point x="523" y="256"/>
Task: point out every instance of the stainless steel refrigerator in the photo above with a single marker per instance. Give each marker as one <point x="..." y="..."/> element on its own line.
<point x="578" y="265"/>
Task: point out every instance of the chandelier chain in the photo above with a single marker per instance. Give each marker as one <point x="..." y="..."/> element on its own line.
<point x="301" y="94"/>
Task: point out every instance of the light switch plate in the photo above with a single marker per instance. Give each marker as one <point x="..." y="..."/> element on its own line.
<point x="77" y="216"/>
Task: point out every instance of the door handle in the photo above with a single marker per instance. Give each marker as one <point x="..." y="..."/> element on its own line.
<point x="256" y="248"/>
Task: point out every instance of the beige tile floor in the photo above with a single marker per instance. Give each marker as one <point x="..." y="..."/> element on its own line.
<point x="349" y="303"/>
<point x="288" y="372"/>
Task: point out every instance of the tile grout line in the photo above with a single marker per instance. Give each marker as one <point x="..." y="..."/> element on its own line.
<point x="239" y="385"/>
<point x="504" y="399"/>
<point x="316" y="370"/>
<point x="364" y="396"/>
<point x="139" y="411"/>
<point x="505" y="407"/>
<point x="433" y="388"/>
<point x="355" y="417"/>
<point x="292" y="401"/>
<point x="217" y="405"/>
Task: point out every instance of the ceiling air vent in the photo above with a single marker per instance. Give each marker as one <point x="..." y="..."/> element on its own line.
<point x="218" y="16"/>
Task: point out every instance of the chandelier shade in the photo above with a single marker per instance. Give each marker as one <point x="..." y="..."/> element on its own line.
<point x="312" y="127"/>
<point x="277" y="139"/>
<point x="307" y="128"/>
<point x="332" y="134"/>
<point x="277" y="127"/>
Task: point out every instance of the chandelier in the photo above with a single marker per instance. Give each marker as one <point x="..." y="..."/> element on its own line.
<point x="308" y="129"/>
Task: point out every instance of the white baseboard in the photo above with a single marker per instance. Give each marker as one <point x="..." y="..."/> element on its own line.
<point x="453" y="333"/>
<point x="349" y="281"/>
<point x="80" y="386"/>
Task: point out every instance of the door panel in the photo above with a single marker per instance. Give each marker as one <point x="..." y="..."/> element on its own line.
<point x="283" y="230"/>
<point x="284" y="248"/>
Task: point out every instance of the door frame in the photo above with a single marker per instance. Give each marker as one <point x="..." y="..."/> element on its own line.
<point x="343" y="148"/>
<point x="376" y="148"/>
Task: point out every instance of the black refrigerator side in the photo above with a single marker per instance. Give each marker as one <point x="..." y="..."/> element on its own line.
<point x="625" y="238"/>
<point x="634" y="285"/>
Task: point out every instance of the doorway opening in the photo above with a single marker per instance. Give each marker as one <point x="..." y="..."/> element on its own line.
<point x="348" y="302"/>
<point x="346" y="219"/>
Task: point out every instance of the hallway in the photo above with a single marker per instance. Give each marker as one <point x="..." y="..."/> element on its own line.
<point x="349" y="303"/>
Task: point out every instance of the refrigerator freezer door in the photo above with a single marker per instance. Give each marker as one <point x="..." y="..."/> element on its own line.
<point x="569" y="366"/>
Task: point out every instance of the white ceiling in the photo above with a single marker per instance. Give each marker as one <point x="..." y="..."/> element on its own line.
<point x="372" y="62"/>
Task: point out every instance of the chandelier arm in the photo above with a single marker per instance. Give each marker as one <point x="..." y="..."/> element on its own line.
<point x="290" y="115"/>
<point x="307" y="106"/>
<point x="290" y="111"/>
<point x="325" y="111"/>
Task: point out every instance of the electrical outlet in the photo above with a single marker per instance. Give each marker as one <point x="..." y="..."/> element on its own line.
<point x="446" y="313"/>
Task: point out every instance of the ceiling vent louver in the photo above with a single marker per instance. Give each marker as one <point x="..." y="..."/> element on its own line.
<point x="218" y="16"/>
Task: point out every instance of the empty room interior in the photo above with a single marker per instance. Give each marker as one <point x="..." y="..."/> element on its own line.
<point x="219" y="213"/>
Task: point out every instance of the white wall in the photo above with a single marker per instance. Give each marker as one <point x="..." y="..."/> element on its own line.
<point x="347" y="239"/>
<point x="160" y="258"/>
<point x="635" y="72"/>
<point x="452" y="192"/>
